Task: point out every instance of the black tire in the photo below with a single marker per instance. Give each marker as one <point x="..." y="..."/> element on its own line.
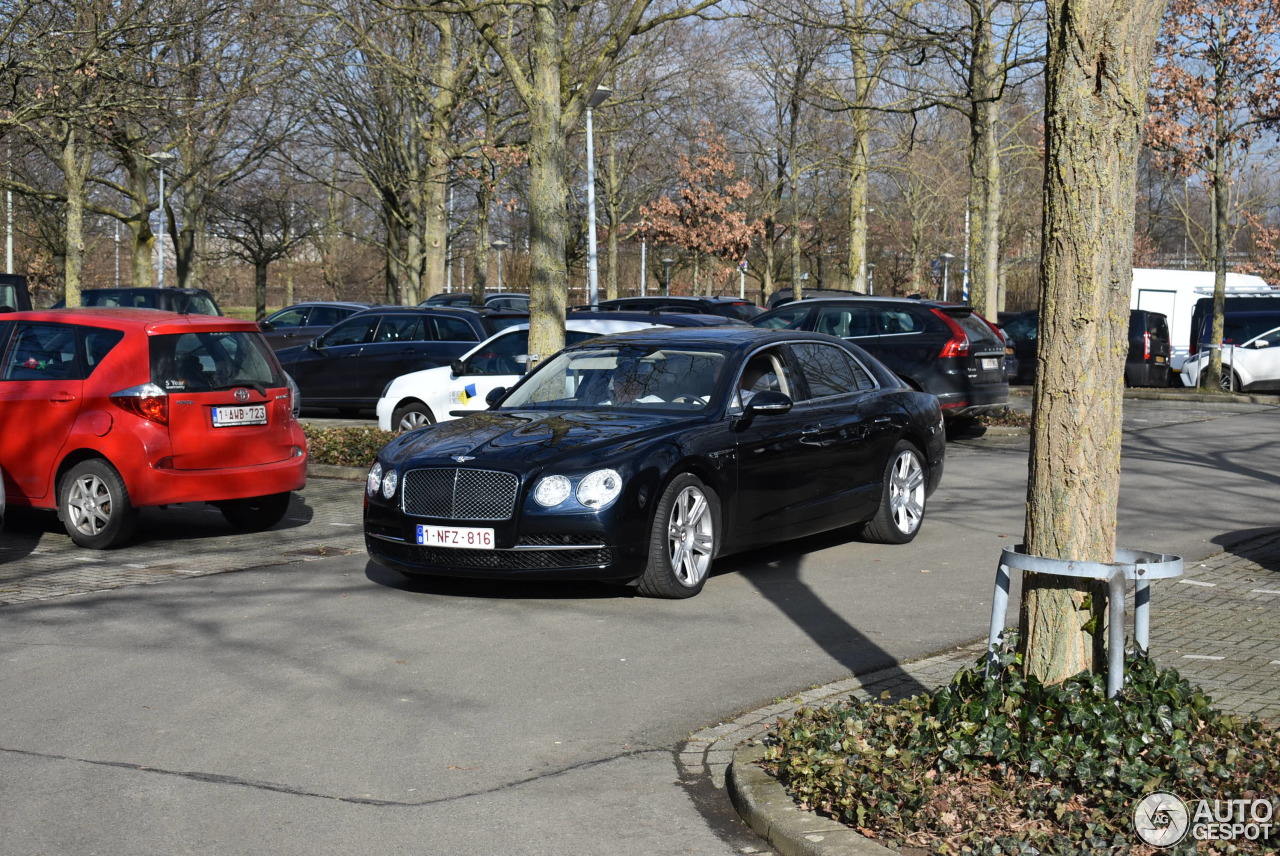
<point x="683" y="540"/>
<point x="409" y="416"/>
<point x="94" y="506"/>
<point x="902" y="498"/>
<point x="257" y="513"/>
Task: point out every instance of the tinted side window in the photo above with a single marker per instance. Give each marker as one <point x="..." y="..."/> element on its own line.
<point x="790" y="318"/>
<point x="830" y="370"/>
<point x="400" y="328"/>
<point x="453" y="330"/>
<point x="97" y="344"/>
<point x="289" y="318"/>
<point x="354" y="331"/>
<point x="847" y="322"/>
<point x="504" y="355"/>
<point x="200" y="304"/>
<point x="42" y="352"/>
<point x="894" y="320"/>
<point x="326" y="316"/>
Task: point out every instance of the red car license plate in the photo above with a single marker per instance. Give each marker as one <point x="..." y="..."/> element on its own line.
<point x="252" y="414"/>
<point x="462" y="537"/>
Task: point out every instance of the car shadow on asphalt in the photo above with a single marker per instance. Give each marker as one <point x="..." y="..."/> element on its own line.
<point x="1261" y="546"/>
<point x="775" y="572"/>
<point x="499" y="588"/>
<point x="27" y="529"/>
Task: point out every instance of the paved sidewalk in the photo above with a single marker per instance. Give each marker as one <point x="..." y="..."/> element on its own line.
<point x="38" y="559"/>
<point x="1219" y="626"/>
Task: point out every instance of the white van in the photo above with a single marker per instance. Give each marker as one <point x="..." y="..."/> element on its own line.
<point x="1174" y="294"/>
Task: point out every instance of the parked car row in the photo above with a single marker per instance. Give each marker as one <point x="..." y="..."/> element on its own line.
<point x="1147" y="362"/>
<point x="944" y="349"/>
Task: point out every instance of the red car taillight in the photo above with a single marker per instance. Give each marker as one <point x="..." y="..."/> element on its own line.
<point x="958" y="344"/>
<point x="1146" y="346"/>
<point x="146" y="400"/>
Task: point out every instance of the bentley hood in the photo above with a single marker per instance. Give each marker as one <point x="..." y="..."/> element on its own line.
<point x="525" y="440"/>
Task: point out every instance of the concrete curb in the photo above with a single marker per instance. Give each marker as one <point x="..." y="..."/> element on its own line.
<point x="329" y="471"/>
<point x="765" y="805"/>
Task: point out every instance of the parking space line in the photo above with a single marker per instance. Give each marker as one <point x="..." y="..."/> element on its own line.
<point x="1198" y="583"/>
<point x="1201" y="657"/>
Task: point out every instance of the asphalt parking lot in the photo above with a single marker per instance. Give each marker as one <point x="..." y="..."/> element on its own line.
<point x="202" y="691"/>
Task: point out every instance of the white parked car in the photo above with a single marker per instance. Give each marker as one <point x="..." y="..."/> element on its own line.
<point x="440" y="394"/>
<point x="1251" y="365"/>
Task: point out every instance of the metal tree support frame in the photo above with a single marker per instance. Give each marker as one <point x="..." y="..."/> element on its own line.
<point x="1136" y="565"/>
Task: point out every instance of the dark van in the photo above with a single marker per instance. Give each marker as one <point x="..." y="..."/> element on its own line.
<point x="1146" y="365"/>
<point x="1149" y="347"/>
<point x="14" y="296"/>
<point x="1245" y="303"/>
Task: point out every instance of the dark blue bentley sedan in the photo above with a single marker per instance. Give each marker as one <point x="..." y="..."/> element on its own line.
<point x="643" y="456"/>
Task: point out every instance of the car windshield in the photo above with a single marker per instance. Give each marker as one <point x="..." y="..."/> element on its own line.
<point x="203" y="362"/>
<point x="629" y="377"/>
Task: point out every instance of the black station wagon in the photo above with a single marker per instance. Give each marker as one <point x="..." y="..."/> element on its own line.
<point x="941" y="348"/>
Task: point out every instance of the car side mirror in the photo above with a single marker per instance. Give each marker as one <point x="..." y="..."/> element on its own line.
<point x="769" y="401"/>
<point x="1262" y="343"/>
<point x="266" y="326"/>
<point x="458" y="367"/>
<point x="494" y="396"/>
<point x="316" y="345"/>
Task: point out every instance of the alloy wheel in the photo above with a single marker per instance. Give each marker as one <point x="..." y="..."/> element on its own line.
<point x="89" y="504"/>
<point x="906" y="492"/>
<point x="690" y="536"/>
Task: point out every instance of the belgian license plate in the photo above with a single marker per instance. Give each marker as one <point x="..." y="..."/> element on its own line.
<point x="251" y="414"/>
<point x="1159" y="359"/>
<point x="461" y="537"/>
<point x="990" y="364"/>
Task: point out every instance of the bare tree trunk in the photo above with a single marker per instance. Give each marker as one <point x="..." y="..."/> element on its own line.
<point x="436" y="192"/>
<point x="1211" y="378"/>
<point x="260" y="290"/>
<point x="983" y="249"/>
<point x="75" y="167"/>
<point x="860" y="129"/>
<point x="548" y="190"/>
<point x="1099" y="67"/>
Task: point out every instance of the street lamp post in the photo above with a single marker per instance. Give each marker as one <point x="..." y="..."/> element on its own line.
<point x="666" y="266"/>
<point x="498" y="246"/>
<point x="871" y="278"/>
<point x="161" y="158"/>
<point x="946" y="260"/>
<point x="593" y="275"/>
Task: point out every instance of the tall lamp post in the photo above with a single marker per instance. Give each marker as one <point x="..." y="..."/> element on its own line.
<point x="593" y="275"/>
<point x="161" y="159"/>
<point x="946" y="261"/>
<point x="498" y="246"/>
<point x="667" y="262"/>
<point x="871" y="278"/>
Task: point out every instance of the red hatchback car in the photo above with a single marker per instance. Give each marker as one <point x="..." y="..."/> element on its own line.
<point x="104" y="411"/>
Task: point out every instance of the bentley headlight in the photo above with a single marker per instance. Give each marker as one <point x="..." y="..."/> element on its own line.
<point x="551" y="491"/>
<point x="389" y="482"/>
<point x="375" y="479"/>
<point x="600" y="488"/>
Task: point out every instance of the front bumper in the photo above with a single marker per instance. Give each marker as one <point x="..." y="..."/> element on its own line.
<point x="605" y="545"/>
